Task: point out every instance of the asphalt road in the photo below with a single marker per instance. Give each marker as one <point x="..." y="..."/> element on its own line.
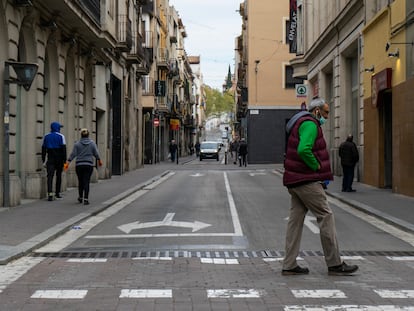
<point x="210" y="236"/>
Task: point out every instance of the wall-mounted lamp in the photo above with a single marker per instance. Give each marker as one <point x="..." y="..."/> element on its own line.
<point x="370" y="69"/>
<point x="388" y="44"/>
<point x="395" y="54"/>
<point x="257" y="61"/>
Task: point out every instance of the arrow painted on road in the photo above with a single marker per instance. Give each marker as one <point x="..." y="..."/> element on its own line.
<point x="166" y="222"/>
<point x="308" y="223"/>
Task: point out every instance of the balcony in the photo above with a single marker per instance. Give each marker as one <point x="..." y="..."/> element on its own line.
<point x="162" y="58"/>
<point x="189" y="121"/>
<point x="173" y="70"/>
<point x="136" y="54"/>
<point x="148" y="8"/>
<point x="147" y="86"/>
<point x="124" y="43"/>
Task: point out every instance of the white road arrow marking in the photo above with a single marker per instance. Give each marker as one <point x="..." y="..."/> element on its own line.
<point x="167" y="221"/>
<point x="308" y="223"/>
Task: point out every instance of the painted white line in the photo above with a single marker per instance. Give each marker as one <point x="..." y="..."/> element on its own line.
<point x="348" y="308"/>
<point x="234" y="293"/>
<point x="318" y="293"/>
<point x="402" y="293"/>
<point x="273" y="259"/>
<point x="60" y="294"/>
<point x="220" y="261"/>
<point x="401" y="258"/>
<point x="146" y="293"/>
<point x="233" y="211"/>
<point x="152" y="258"/>
<point x="152" y="185"/>
<point x="158" y="235"/>
<point x="352" y="258"/>
<point x="73" y="235"/>
<point x="14" y="270"/>
<point x="87" y="260"/>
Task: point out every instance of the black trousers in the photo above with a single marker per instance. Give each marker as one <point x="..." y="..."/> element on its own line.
<point x="51" y="168"/>
<point x="84" y="173"/>
<point x="348" y="178"/>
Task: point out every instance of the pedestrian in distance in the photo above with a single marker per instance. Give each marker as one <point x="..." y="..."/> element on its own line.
<point x="348" y="152"/>
<point x="234" y="149"/>
<point x="307" y="166"/>
<point x="53" y="158"/>
<point x="84" y="151"/>
<point x="242" y="151"/>
<point x="197" y="148"/>
<point x="173" y="150"/>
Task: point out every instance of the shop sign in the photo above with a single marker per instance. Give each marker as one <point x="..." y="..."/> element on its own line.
<point x="174" y="124"/>
<point x="380" y="82"/>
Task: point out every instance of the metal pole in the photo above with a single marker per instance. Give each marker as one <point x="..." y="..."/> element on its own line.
<point x="6" y="164"/>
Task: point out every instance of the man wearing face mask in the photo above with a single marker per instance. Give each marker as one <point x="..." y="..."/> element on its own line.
<point x="306" y="167"/>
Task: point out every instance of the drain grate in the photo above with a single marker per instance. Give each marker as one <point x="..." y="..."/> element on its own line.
<point x="208" y="254"/>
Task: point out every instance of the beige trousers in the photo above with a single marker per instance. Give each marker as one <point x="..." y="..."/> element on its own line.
<point x="311" y="197"/>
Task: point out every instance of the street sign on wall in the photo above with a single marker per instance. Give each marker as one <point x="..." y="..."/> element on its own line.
<point x="301" y="90"/>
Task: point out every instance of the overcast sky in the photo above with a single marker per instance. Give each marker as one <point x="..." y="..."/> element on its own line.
<point x="211" y="26"/>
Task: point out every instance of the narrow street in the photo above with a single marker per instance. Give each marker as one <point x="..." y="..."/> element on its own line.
<point x="210" y="236"/>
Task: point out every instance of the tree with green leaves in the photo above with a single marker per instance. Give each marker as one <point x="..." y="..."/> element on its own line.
<point x="218" y="103"/>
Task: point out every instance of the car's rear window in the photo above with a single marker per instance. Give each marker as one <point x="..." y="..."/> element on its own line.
<point x="208" y="145"/>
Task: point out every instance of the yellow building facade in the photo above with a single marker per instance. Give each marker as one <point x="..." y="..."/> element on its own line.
<point x="388" y="98"/>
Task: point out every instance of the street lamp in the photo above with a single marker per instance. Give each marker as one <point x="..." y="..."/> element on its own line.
<point x="25" y="73"/>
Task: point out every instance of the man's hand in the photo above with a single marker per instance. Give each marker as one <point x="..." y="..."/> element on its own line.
<point x="66" y="166"/>
<point x="100" y="163"/>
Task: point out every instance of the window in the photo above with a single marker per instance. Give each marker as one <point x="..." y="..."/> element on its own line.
<point x="290" y="81"/>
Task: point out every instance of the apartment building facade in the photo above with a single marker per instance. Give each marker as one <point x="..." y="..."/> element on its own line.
<point x="265" y="96"/>
<point x="358" y="56"/>
<point x="93" y="59"/>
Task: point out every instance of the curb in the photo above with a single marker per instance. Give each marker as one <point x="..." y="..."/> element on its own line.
<point x="24" y="248"/>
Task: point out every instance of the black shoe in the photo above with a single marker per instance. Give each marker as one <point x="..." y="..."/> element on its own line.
<point x="50" y="198"/>
<point x="351" y="190"/>
<point x="80" y="200"/>
<point x="58" y="196"/>
<point x="342" y="269"/>
<point x="296" y="271"/>
<point x="85" y="202"/>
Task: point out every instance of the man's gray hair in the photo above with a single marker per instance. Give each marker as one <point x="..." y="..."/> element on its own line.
<point x="316" y="103"/>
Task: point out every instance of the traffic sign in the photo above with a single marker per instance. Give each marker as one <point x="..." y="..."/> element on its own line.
<point x="301" y="90"/>
<point x="156" y="122"/>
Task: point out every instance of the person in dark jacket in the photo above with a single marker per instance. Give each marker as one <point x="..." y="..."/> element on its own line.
<point x="84" y="151"/>
<point x="306" y="167"/>
<point x="242" y="152"/>
<point x="348" y="152"/>
<point x="173" y="148"/>
<point x="54" y="147"/>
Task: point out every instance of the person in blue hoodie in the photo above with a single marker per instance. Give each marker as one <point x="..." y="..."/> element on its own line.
<point x="84" y="151"/>
<point x="54" y="147"/>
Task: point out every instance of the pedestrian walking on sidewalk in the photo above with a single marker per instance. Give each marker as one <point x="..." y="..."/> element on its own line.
<point x="306" y="167"/>
<point x="242" y="151"/>
<point x="54" y="147"/>
<point x="348" y="152"/>
<point x="173" y="148"/>
<point x="84" y="151"/>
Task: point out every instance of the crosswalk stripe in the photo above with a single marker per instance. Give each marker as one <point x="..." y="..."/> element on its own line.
<point x="349" y="308"/>
<point x="220" y="261"/>
<point x="59" y="294"/>
<point x="234" y="293"/>
<point x="402" y="293"/>
<point x="146" y="293"/>
<point x="318" y="293"/>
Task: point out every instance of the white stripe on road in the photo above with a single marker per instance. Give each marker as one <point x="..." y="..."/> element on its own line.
<point x="402" y="293"/>
<point x="348" y="308"/>
<point x="60" y="294"/>
<point x="273" y="259"/>
<point x="233" y="211"/>
<point x="318" y="293"/>
<point x="234" y="293"/>
<point x="87" y="260"/>
<point x="153" y="258"/>
<point x="146" y="293"/>
<point x="401" y="258"/>
<point x="14" y="270"/>
<point x="220" y="261"/>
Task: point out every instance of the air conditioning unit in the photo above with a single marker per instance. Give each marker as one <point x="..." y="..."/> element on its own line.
<point x="22" y="3"/>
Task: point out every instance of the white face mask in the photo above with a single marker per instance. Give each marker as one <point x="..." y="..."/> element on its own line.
<point x="321" y="119"/>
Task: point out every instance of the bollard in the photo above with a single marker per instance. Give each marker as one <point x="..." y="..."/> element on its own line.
<point x="225" y="157"/>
